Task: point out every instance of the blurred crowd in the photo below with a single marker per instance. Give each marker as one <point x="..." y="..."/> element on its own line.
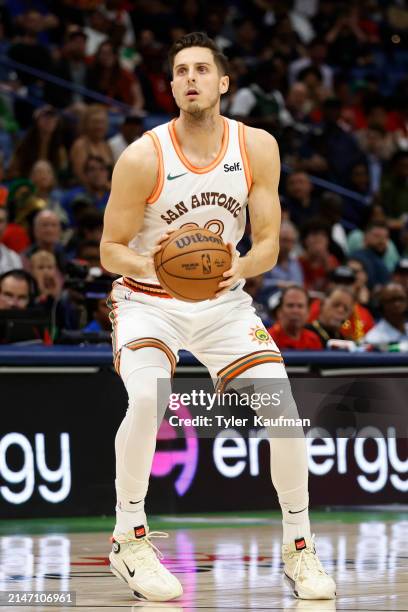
<point x="82" y="79"/>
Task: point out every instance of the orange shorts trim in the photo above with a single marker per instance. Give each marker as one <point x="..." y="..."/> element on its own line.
<point x="243" y="364"/>
<point x="147" y="288"/>
<point x="134" y="345"/>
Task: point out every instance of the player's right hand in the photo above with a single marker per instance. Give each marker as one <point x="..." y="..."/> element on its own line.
<point x="159" y="244"/>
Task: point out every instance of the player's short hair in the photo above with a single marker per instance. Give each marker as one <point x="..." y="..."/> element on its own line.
<point x="199" y="39"/>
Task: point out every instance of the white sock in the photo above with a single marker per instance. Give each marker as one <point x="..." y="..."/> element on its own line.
<point x="129" y="515"/>
<point x="300" y="529"/>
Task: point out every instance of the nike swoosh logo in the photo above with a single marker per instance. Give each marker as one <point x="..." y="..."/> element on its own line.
<point x="171" y="178"/>
<point x="131" y="574"/>
<point x="137" y="502"/>
<point x="297" y="511"/>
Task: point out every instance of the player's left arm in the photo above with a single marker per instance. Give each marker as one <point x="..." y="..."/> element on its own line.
<point x="264" y="210"/>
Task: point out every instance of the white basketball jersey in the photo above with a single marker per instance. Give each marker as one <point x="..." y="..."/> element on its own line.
<point x="213" y="197"/>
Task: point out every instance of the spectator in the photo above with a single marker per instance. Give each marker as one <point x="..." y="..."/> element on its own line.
<point x="360" y="288"/>
<point x="89" y="226"/>
<point x="336" y="308"/>
<point x="71" y="67"/>
<point x="94" y="191"/>
<point x="43" y="178"/>
<point x="15" y="290"/>
<point x="9" y="260"/>
<point x="359" y="183"/>
<point x="331" y="211"/>
<point x="355" y="239"/>
<point x="316" y="260"/>
<point x="106" y="76"/>
<point x="332" y="150"/>
<point x="394" y="191"/>
<point x="261" y="104"/>
<point x="253" y="286"/>
<point x="346" y="39"/>
<point x="372" y="255"/>
<point x="400" y="275"/>
<point x="289" y="331"/>
<point x="15" y="237"/>
<point x="155" y="81"/>
<point x="47" y="235"/>
<point x="246" y="43"/>
<point x="299" y="200"/>
<point x="42" y="141"/>
<point x="88" y="252"/>
<point x="316" y="56"/>
<point x="45" y="273"/>
<point x="100" y="317"/>
<point x="360" y="320"/>
<point x="130" y="130"/>
<point x="298" y="104"/>
<point x="393" y="326"/>
<point x="287" y="270"/>
<point x="29" y="51"/>
<point x="92" y="141"/>
<point x="96" y="31"/>
<point x="377" y="147"/>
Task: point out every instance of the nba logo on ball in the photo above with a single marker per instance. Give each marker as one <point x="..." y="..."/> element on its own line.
<point x="206" y="263"/>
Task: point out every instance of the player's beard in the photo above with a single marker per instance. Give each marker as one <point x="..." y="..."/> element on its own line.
<point x="199" y="113"/>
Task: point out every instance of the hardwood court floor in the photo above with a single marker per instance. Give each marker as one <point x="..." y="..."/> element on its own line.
<point x="224" y="564"/>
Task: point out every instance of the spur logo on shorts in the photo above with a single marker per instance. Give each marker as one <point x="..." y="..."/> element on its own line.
<point x="260" y="335"/>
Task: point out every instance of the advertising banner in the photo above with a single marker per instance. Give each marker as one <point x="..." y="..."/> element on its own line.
<point x="58" y="429"/>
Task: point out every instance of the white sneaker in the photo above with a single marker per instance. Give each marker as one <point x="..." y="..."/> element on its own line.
<point x="305" y="573"/>
<point x="136" y="561"/>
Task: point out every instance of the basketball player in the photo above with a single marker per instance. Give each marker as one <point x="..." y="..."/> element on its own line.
<point x="200" y="169"/>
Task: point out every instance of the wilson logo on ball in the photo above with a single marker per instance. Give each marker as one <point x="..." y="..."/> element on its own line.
<point x="197" y="238"/>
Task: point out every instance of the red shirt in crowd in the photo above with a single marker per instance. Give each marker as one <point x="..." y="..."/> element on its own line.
<point x="307" y="340"/>
<point x="355" y="328"/>
<point x="16" y="238"/>
<point x="316" y="277"/>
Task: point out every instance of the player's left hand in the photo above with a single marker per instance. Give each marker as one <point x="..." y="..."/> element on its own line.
<point x="233" y="275"/>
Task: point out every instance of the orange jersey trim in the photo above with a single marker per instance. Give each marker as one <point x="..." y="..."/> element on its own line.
<point x="183" y="158"/>
<point x="147" y="288"/>
<point x="244" y="154"/>
<point x="158" y="188"/>
<point x="134" y="345"/>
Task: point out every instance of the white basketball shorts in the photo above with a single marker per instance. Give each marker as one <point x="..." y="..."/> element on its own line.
<point x="224" y="334"/>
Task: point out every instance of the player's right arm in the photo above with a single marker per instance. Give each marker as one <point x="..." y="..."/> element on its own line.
<point x="133" y="180"/>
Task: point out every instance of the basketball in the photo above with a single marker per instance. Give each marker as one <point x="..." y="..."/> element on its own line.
<point x="191" y="263"/>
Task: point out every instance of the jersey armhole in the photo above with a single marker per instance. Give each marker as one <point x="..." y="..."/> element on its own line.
<point x="154" y="196"/>
<point x="244" y="154"/>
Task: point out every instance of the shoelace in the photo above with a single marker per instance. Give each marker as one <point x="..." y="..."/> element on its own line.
<point x="308" y="557"/>
<point x="143" y="548"/>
